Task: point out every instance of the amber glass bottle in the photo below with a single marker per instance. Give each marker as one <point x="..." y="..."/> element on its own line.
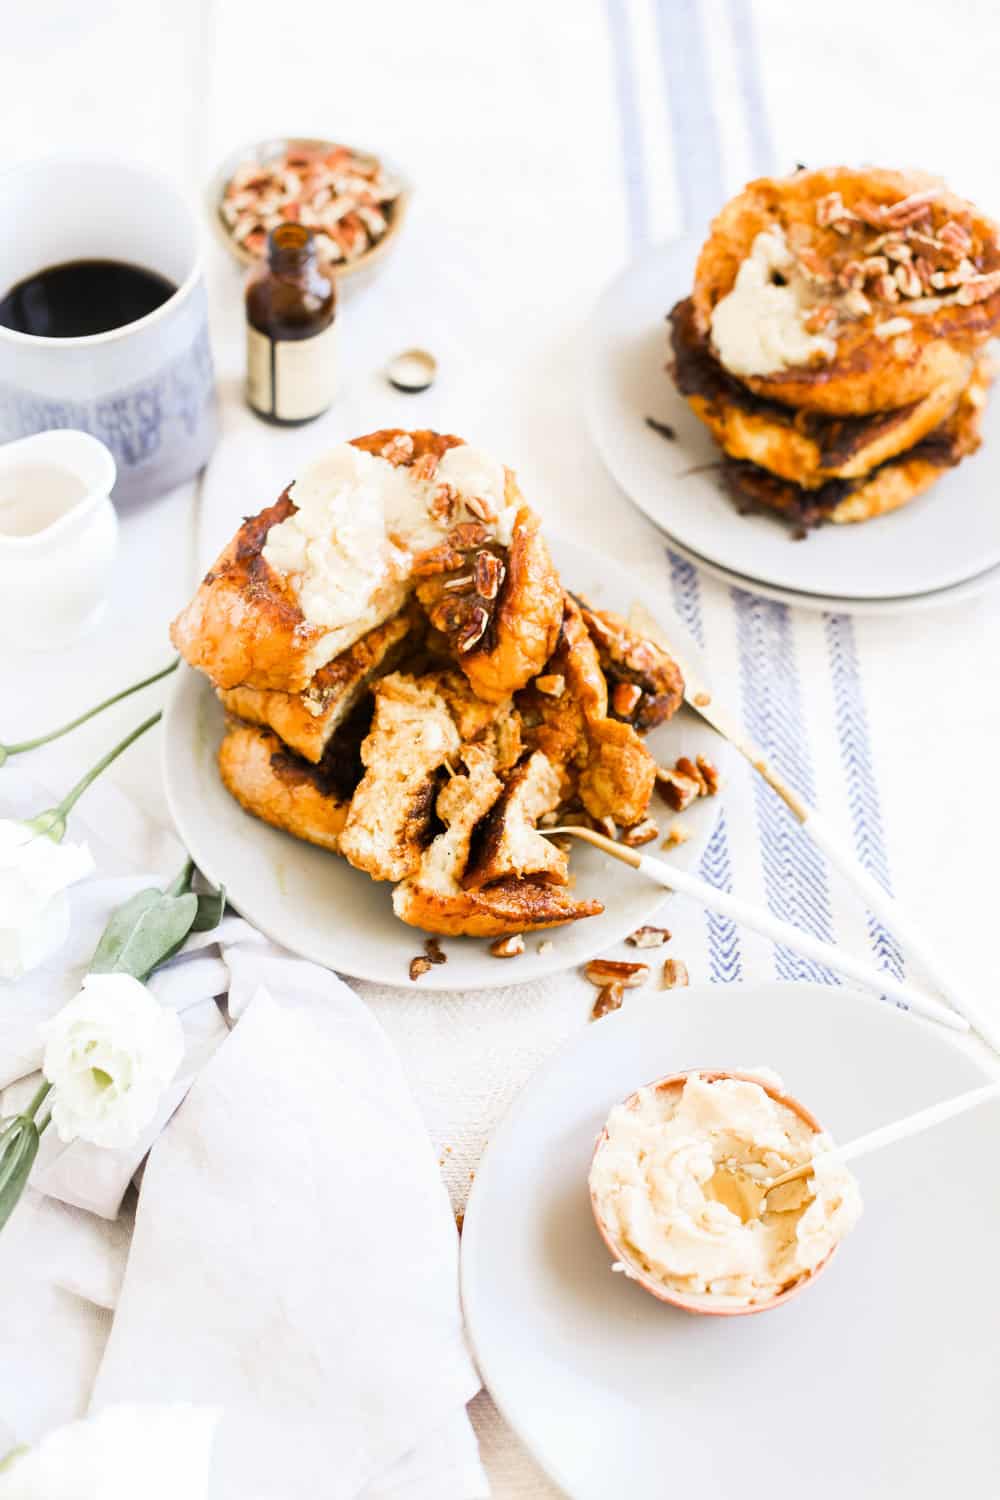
<point x="290" y="305"/>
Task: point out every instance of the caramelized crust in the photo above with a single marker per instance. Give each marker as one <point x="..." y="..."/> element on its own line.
<point x="805" y="447"/>
<point x="868" y="373"/>
<point x="281" y="789"/>
<point x="306" y="721"/>
<point x="886" y="489"/>
<point x="244" y="625"/>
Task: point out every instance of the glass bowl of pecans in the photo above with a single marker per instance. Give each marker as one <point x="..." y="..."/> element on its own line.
<point x="354" y="201"/>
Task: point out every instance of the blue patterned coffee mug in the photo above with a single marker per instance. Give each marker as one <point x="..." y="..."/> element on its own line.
<point x="147" y="389"/>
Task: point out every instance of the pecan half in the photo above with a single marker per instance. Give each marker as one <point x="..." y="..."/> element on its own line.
<point x="462" y="599"/>
<point x="616" y="971"/>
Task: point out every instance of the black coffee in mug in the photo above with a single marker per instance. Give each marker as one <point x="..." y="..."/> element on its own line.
<point x="82" y="297"/>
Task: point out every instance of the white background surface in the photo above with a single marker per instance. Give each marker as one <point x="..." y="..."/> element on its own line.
<point x="504" y="116"/>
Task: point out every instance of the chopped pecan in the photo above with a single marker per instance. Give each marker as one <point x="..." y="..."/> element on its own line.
<point x="648" y="937"/>
<point x="434" y="951"/>
<point x="424" y="467"/>
<point x="641" y="833"/>
<point x="944" y="280"/>
<point x="897" y="249"/>
<point x="978" y="288"/>
<point x="676" y="834"/>
<point x="420" y="965"/>
<point x="909" y="210"/>
<point x="479" y="507"/>
<point x="709" y="773"/>
<point x="511" y="946"/>
<point x="616" y="971"/>
<point x="474" y="628"/>
<point x="624" y="697"/>
<point x="955" y="237"/>
<point x="832" y="213"/>
<point x="399" y="450"/>
<point x="819" y="318"/>
<point x="886" y="288"/>
<point x="677" y="790"/>
<point x="609" y="998"/>
<point x="701" y="700"/>
<point x="552" y="684"/>
<point x="489" y="574"/>
<point x="674" y="974"/>
<point x="442" y="504"/>
<point x="908" y="281"/>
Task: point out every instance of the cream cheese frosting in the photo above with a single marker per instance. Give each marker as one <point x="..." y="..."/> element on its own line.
<point x="348" y="548"/>
<point x="759" y="327"/>
<point x="649" y="1177"/>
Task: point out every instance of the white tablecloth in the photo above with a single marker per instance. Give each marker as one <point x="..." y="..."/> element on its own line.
<point x="547" y="143"/>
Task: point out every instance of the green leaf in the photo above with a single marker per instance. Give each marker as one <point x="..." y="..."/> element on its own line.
<point x="120" y="925"/>
<point x="211" y="907"/>
<point x="141" y="934"/>
<point x="16" y="1162"/>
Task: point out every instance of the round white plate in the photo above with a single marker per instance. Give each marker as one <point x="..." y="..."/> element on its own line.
<point x="319" y="906"/>
<point x="877" y="1380"/>
<point x="959" y="593"/>
<point x="946" y="536"/>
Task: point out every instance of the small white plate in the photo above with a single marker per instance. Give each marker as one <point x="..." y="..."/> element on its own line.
<point x="318" y="905"/>
<point x="944" y="537"/>
<point x="878" y="1380"/>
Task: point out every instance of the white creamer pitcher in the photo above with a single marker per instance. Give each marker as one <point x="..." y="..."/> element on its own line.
<point x="58" y="537"/>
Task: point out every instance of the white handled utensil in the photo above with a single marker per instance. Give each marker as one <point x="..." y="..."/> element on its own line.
<point x="875" y="897"/>
<point x="899" y="1130"/>
<point x="760" y="920"/>
<point x="746" y="1195"/>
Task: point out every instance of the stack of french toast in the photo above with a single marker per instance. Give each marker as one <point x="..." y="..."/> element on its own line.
<point x="833" y="340"/>
<point x="409" y="685"/>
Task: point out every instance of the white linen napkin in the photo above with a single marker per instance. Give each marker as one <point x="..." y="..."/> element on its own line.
<point x="295" y="1251"/>
<point x="295" y="1262"/>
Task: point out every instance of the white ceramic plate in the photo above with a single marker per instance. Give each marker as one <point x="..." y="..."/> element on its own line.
<point x="317" y="905"/>
<point x="877" y="1380"/>
<point x="959" y="593"/>
<point x="946" y="536"/>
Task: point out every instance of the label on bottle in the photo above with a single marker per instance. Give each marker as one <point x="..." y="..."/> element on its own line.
<point x="291" y="379"/>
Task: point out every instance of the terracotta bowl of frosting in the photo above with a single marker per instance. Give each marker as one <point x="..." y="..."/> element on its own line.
<point x="706" y="1305"/>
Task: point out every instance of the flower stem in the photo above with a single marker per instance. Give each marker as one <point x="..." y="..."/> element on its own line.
<point x="6" y="751"/>
<point x="53" y="821"/>
<point x="41" y="1094"/>
<point x="183" y="881"/>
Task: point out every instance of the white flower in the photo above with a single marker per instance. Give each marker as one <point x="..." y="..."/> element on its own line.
<point x="158" y="1452"/>
<point x="34" y="912"/>
<point x="109" y="1054"/>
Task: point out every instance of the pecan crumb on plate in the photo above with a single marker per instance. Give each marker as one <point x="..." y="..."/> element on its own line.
<point x="674" y="974"/>
<point x="419" y="965"/>
<point x="609" y="998"/>
<point x="511" y="946"/>
<point x="648" y="937"/>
